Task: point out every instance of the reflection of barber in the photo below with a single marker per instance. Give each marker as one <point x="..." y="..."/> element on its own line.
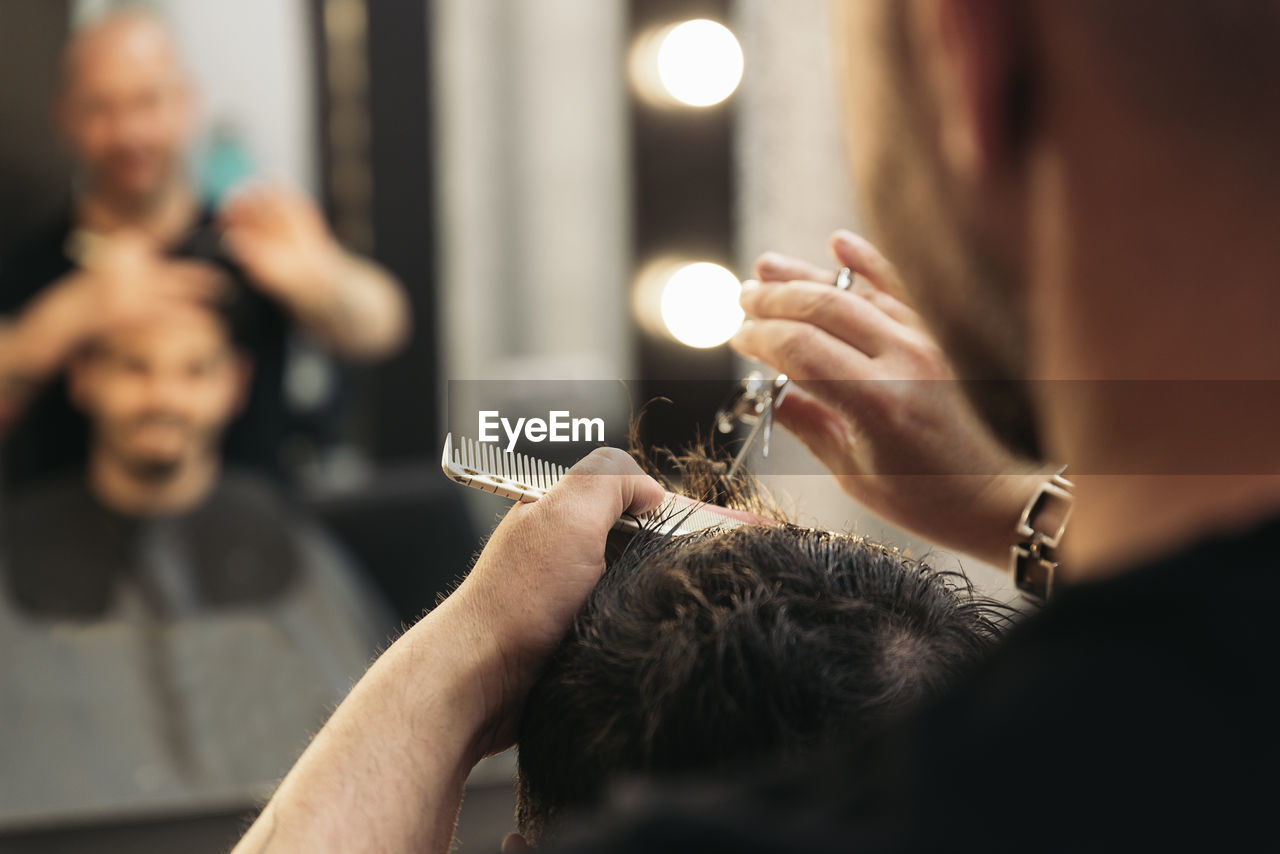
<point x="137" y="240"/>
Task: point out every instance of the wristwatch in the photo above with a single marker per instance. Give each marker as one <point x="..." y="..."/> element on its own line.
<point x="1033" y="559"/>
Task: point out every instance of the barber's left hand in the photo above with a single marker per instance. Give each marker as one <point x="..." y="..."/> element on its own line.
<point x="386" y="773"/>
<point x="534" y="575"/>
<point x="281" y="240"/>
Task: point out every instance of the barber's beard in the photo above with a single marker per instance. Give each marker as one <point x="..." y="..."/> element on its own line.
<point x="130" y="201"/>
<point x="964" y="295"/>
<point x="971" y="299"/>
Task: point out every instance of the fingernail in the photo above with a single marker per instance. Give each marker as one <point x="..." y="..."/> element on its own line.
<point x="769" y="260"/>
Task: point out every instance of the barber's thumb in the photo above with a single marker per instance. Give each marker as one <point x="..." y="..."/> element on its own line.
<point x="610" y="477"/>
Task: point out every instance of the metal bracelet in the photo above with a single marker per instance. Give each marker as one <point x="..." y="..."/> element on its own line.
<point x="1033" y="559"/>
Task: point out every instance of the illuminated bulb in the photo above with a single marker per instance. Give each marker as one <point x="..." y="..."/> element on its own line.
<point x="699" y="305"/>
<point x="700" y="63"/>
<point x="697" y="63"/>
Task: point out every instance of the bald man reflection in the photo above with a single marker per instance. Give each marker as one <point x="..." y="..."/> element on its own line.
<point x="171" y="628"/>
<point x="138" y="239"/>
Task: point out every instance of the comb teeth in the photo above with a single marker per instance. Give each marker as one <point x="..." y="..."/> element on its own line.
<point x="482" y="465"/>
<point x="701" y="518"/>
<point x="519" y="471"/>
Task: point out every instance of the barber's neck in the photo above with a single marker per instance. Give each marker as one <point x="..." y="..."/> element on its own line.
<point x="163" y="217"/>
<point x="1156" y="293"/>
<point x="118" y="487"/>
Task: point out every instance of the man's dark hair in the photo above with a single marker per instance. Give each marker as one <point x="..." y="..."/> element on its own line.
<point x="706" y="652"/>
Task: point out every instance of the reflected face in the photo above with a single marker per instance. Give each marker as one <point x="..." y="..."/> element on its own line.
<point x="968" y="292"/>
<point x="159" y="394"/>
<point x="125" y="110"/>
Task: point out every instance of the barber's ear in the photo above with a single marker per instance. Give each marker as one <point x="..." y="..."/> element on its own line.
<point x="976" y="72"/>
<point x="515" y="844"/>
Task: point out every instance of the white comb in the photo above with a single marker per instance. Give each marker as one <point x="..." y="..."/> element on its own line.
<point x="481" y="465"/>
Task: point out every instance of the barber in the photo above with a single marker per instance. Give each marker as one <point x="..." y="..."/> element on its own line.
<point x="1081" y="198"/>
<point x="138" y="239"/>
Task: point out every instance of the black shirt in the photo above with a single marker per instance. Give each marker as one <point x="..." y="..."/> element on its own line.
<point x="1136" y="713"/>
<point x="51" y="437"/>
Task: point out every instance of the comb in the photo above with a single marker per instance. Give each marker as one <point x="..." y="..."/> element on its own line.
<point x="520" y="477"/>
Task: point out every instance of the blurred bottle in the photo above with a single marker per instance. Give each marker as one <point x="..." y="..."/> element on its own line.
<point x="224" y="162"/>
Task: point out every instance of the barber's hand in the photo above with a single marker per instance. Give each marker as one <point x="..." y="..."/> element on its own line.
<point x="877" y="402"/>
<point x="125" y="278"/>
<point x="387" y="772"/>
<point x="281" y="240"/>
<point x="535" y="573"/>
<point x="122" y="279"/>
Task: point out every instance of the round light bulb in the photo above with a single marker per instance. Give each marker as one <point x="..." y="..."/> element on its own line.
<point x="699" y="63"/>
<point x="699" y="305"/>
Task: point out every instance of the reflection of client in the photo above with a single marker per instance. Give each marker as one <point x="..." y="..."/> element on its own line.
<point x="170" y="628"/>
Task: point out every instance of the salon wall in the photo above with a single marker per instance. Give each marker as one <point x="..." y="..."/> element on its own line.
<point x="33" y="173"/>
<point x="531" y="154"/>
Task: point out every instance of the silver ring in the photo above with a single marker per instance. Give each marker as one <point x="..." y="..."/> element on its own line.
<point x="844" y="279"/>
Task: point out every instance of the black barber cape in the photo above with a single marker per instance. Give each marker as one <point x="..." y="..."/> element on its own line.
<point x="175" y="664"/>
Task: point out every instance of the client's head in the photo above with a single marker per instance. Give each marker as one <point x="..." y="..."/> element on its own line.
<point x="159" y="394"/>
<point x="702" y="653"/>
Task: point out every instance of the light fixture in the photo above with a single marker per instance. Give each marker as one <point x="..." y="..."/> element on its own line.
<point x="696" y="303"/>
<point x="695" y="63"/>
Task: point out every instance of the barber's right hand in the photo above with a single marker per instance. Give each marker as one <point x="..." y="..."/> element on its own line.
<point x="533" y="577"/>
<point x="878" y="404"/>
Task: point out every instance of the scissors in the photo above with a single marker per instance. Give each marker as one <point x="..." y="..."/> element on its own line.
<point x="754" y="400"/>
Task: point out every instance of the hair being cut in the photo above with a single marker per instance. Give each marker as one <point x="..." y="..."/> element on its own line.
<point x="706" y="652"/>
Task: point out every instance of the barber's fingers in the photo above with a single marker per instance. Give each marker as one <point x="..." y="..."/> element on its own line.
<point x="804" y="352"/>
<point x="599" y="489"/>
<point x="776" y="267"/>
<point x="262" y="204"/>
<point x="194" y="280"/>
<point x="860" y="255"/>
<point x="822" y="429"/>
<point x="876" y="279"/>
<point x="158" y="281"/>
<point x="179" y="285"/>
<point x="242" y="208"/>
<point x="849" y="317"/>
